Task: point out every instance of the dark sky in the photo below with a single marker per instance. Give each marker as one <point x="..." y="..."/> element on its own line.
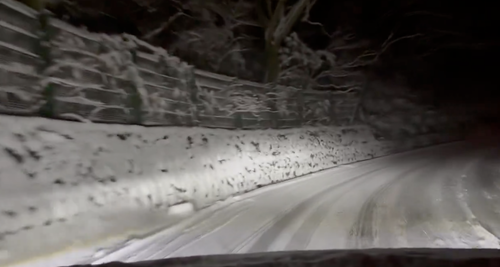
<point x="457" y="55"/>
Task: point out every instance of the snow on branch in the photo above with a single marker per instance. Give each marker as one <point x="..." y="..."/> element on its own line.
<point x="335" y="68"/>
<point x="163" y="27"/>
<point x="214" y="46"/>
<point x="234" y="98"/>
<point x="238" y="98"/>
<point x="304" y="68"/>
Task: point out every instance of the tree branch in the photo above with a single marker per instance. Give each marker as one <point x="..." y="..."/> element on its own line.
<point x="274" y="21"/>
<point x="375" y="55"/>
<point x="288" y="22"/>
<point x="163" y="27"/>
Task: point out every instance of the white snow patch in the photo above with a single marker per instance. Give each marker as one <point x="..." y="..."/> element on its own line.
<point x="181" y="209"/>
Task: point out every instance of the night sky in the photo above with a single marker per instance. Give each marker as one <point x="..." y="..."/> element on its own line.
<point x="456" y="55"/>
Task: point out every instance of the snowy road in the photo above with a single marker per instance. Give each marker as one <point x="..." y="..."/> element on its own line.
<point x="445" y="196"/>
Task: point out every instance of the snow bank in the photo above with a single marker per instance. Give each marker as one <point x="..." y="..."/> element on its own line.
<point x="54" y="169"/>
<point x="53" y="172"/>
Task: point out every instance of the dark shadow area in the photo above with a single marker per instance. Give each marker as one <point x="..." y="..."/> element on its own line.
<point x="336" y="258"/>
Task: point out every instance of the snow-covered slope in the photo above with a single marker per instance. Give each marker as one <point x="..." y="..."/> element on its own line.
<point x="57" y="172"/>
<point x="64" y="183"/>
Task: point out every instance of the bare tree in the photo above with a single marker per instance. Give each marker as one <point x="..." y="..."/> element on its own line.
<point x="278" y="21"/>
<point x="340" y="68"/>
<point x="214" y="43"/>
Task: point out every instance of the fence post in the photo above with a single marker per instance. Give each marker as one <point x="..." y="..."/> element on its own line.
<point x="238" y="121"/>
<point x="359" y="104"/>
<point x="135" y="99"/>
<point x="300" y="106"/>
<point x="44" y="52"/>
<point x="271" y="103"/>
<point x="190" y="81"/>
<point x="332" y="110"/>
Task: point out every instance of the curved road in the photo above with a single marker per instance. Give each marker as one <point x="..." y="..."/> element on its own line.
<point x="446" y="196"/>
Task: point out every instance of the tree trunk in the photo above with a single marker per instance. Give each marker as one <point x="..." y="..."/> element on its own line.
<point x="359" y="105"/>
<point x="272" y="64"/>
<point x="37" y="5"/>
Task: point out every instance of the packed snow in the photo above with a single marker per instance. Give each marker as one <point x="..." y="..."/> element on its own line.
<point x="408" y="200"/>
<point x="429" y="198"/>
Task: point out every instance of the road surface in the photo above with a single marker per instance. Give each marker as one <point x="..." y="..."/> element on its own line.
<point x="440" y="197"/>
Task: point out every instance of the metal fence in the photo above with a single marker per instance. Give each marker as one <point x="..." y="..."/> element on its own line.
<point x="49" y="68"/>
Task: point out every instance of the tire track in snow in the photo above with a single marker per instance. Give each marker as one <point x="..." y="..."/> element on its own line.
<point x="302" y="237"/>
<point x="214" y="223"/>
<point x="481" y="200"/>
<point x="484" y="234"/>
<point x="225" y="221"/>
<point x="193" y="234"/>
<point x="362" y="233"/>
<point x="277" y="227"/>
<point x="246" y="244"/>
<point x="415" y="203"/>
<point x="164" y="244"/>
<point x="276" y="222"/>
<point x="152" y="248"/>
<point x="458" y="227"/>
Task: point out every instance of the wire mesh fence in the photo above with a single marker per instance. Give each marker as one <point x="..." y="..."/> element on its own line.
<point x="49" y="68"/>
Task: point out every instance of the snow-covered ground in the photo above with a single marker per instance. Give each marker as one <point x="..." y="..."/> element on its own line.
<point x="67" y="185"/>
<point x="412" y="200"/>
<point x="428" y="198"/>
<point x="441" y="197"/>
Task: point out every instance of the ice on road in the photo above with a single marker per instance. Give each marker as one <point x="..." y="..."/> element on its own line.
<point x="445" y="196"/>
